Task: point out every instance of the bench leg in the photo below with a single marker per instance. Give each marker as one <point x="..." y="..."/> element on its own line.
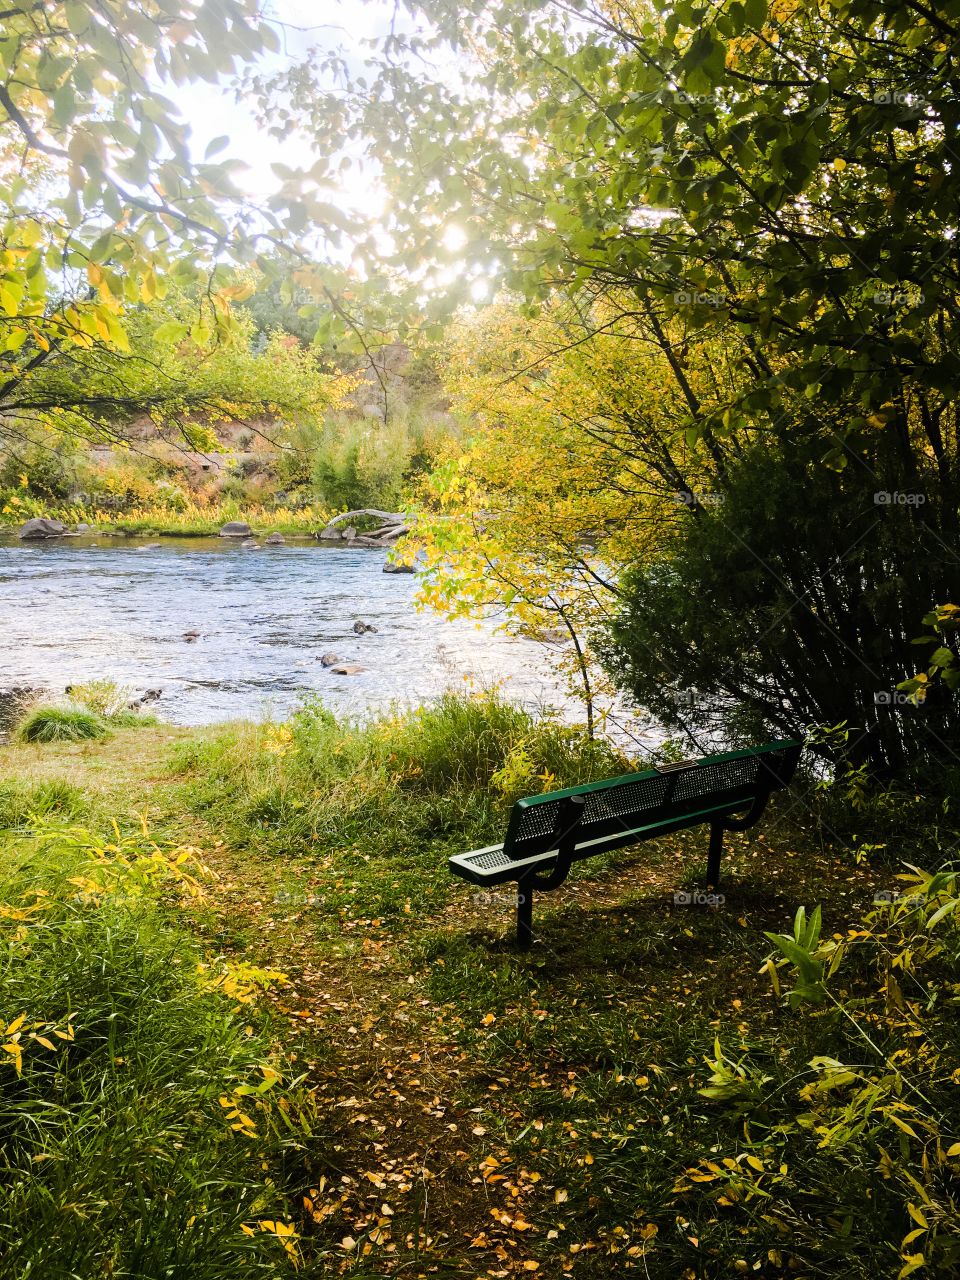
<point x="713" y="855"/>
<point x="525" y="913"/>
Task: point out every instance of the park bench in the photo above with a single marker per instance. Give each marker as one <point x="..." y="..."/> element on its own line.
<point x="546" y="834"/>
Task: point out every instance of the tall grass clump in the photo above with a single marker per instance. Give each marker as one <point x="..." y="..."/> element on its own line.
<point x="413" y="783"/>
<point x="90" y="711"/>
<point x="135" y="1117"/>
<point x="19" y="802"/>
<point x="60" y="724"/>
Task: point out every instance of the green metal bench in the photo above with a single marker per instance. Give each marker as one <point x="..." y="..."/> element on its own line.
<point x="548" y="833"/>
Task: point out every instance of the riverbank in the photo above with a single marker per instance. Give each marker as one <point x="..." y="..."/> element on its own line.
<point x="192" y="520"/>
<point x="631" y="1096"/>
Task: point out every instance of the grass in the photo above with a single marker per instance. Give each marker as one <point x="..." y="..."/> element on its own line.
<point x="402" y="785"/>
<point x="566" y="1111"/>
<point x="118" y="1154"/>
<point x="60" y="724"/>
<point x="92" y="711"/>
<point x="190" y="520"/>
<point x="19" y="801"/>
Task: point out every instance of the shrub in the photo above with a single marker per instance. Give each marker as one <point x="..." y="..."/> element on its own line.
<point x="60" y="724"/>
<point x="110" y="701"/>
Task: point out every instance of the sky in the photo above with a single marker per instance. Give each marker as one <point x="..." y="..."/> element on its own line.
<point x="212" y="110"/>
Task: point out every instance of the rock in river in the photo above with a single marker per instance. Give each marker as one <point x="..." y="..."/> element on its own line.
<point x="42" y="527"/>
<point x="274" y="540"/>
<point x="328" y="659"/>
<point x="236" y="529"/>
<point x="392" y="567"/>
<point x="361" y="628"/>
<point x="347" y="669"/>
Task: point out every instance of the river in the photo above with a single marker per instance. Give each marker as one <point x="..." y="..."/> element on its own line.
<point x="120" y="609"/>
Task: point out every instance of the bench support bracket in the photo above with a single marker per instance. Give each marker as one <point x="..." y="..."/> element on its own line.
<point x="713" y="854"/>
<point x="568" y="822"/>
<point x="718" y="827"/>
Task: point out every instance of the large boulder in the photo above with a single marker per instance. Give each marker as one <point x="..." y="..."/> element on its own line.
<point x="391" y="567"/>
<point x="42" y="527"/>
<point x="236" y="529"/>
<point x="347" y="669"/>
<point x="274" y="540"/>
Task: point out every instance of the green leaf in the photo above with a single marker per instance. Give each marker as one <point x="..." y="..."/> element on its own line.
<point x="170" y="333"/>
<point x="217" y="144"/>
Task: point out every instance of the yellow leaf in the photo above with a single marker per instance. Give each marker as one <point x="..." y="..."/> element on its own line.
<point x="17" y="1054"/>
<point x="901" y="1124"/>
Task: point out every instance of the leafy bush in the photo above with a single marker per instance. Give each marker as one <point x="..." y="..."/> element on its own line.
<point x="363" y="462"/>
<point x="779" y="612"/>
<point x="60" y="724"/>
<point x="110" y="701"/>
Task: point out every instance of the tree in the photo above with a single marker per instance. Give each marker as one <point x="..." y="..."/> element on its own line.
<point x="102" y="205"/>
<point x="772" y="178"/>
<point x="181" y="372"/>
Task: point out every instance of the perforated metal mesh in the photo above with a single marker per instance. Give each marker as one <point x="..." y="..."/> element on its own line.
<point x="489" y="859"/>
<point x="617" y="808"/>
<point x="630" y="800"/>
<point x="539" y="820"/>
<point x="711" y="778"/>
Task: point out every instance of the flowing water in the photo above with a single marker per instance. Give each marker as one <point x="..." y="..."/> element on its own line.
<point x="118" y="609"/>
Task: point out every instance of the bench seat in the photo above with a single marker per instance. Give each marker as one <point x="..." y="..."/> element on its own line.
<point x="546" y="834"/>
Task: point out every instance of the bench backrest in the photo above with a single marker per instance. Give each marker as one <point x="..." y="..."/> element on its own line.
<point x="616" y="805"/>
